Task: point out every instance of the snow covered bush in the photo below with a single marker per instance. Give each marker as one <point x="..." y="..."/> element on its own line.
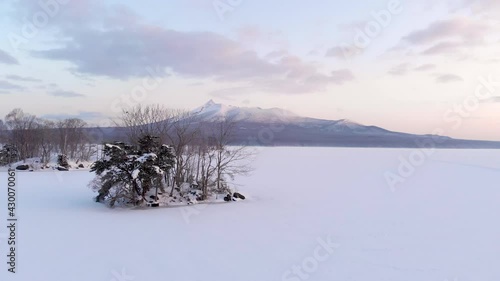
<point x="127" y="173"/>
<point x="8" y="155"/>
<point x="62" y="161"/>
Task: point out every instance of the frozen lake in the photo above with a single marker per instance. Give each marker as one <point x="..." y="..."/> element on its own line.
<point x="311" y="214"/>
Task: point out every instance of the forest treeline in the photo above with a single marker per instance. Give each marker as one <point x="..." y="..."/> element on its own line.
<point x="202" y="152"/>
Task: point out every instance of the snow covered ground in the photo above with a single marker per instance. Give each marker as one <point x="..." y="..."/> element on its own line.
<point x="311" y="214"/>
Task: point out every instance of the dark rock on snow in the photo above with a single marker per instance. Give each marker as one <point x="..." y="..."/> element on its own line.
<point x="239" y="195"/>
<point x="22" y="167"/>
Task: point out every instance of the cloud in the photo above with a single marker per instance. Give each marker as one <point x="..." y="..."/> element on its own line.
<point x="343" y="52"/>
<point x="485" y="8"/>
<point x="84" y="115"/>
<point x="444" y="48"/>
<point x="65" y="94"/>
<point x="457" y="28"/>
<point x="5" y="85"/>
<point x="7" y="59"/>
<point x="196" y="84"/>
<point x="230" y="93"/>
<point x="341" y="76"/>
<point x="400" y="69"/>
<point x="142" y="50"/>
<point x="276" y="54"/>
<point x="425" y="67"/>
<point x="455" y="36"/>
<point x="335" y="52"/>
<point x="317" y="82"/>
<point x="495" y="99"/>
<point x="251" y="34"/>
<point x="3" y="92"/>
<point x="22" y="78"/>
<point x="193" y="54"/>
<point x="352" y="26"/>
<point x="447" y="78"/>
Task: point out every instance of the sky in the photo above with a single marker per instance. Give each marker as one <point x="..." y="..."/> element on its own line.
<point x="413" y="66"/>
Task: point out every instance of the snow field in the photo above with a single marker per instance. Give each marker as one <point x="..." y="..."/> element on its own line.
<point x="441" y="224"/>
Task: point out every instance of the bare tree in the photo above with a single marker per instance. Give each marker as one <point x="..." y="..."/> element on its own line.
<point x="22" y="128"/>
<point x="206" y="168"/>
<point x="218" y="160"/>
<point x="175" y="127"/>
<point x="146" y="120"/>
<point x="47" y="140"/>
<point x="182" y="133"/>
<point x="71" y="136"/>
<point x="3" y="132"/>
<point x="229" y="160"/>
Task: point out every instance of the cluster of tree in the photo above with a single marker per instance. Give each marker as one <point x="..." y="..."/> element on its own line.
<point x="202" y="157"/>
<point x="201" y="152"/>
<point x="31" y="137"/>
<point x="127" y="173"/>
<point x="8" y="153"/>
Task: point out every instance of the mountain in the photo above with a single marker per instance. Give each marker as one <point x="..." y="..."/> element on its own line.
<point x="212" y="111"/>
<point x="279" y="127"/>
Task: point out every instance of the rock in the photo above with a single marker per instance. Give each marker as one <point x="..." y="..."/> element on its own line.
<point x="239" y="195"/>
<point x="228" y="198"/>
<point x="22" y="167"/>
<point x="81" y="166"/>
<point x="154" y="197"/>
<point x="155" y="205"/>
<point x="62" y="169"/>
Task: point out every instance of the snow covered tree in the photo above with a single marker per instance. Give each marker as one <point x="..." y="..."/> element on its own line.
<point x="127" y="173"/>
<point x="22" y="132"/>
<point x="155" y="161"/>
<point x="62" y="160"/>
<point x="8" y="155"/>
<point x="114" y="180"/>
<point x="226" y="160"/>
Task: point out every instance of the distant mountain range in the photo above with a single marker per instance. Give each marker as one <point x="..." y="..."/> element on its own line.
<point x="279" y="127"/>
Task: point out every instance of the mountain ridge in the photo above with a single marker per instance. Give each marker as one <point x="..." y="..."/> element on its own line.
<point x="278" y="127"/>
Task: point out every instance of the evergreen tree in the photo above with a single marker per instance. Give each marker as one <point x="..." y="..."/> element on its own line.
<point x="62" y="160"/>
<point x="8" y="155"/>
<point x="127" y="173"/>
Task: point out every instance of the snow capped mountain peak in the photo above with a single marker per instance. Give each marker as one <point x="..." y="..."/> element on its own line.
<point x="347" y="123"/>
<point x="212" y="110"/>
<point x="209" y="103"/>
